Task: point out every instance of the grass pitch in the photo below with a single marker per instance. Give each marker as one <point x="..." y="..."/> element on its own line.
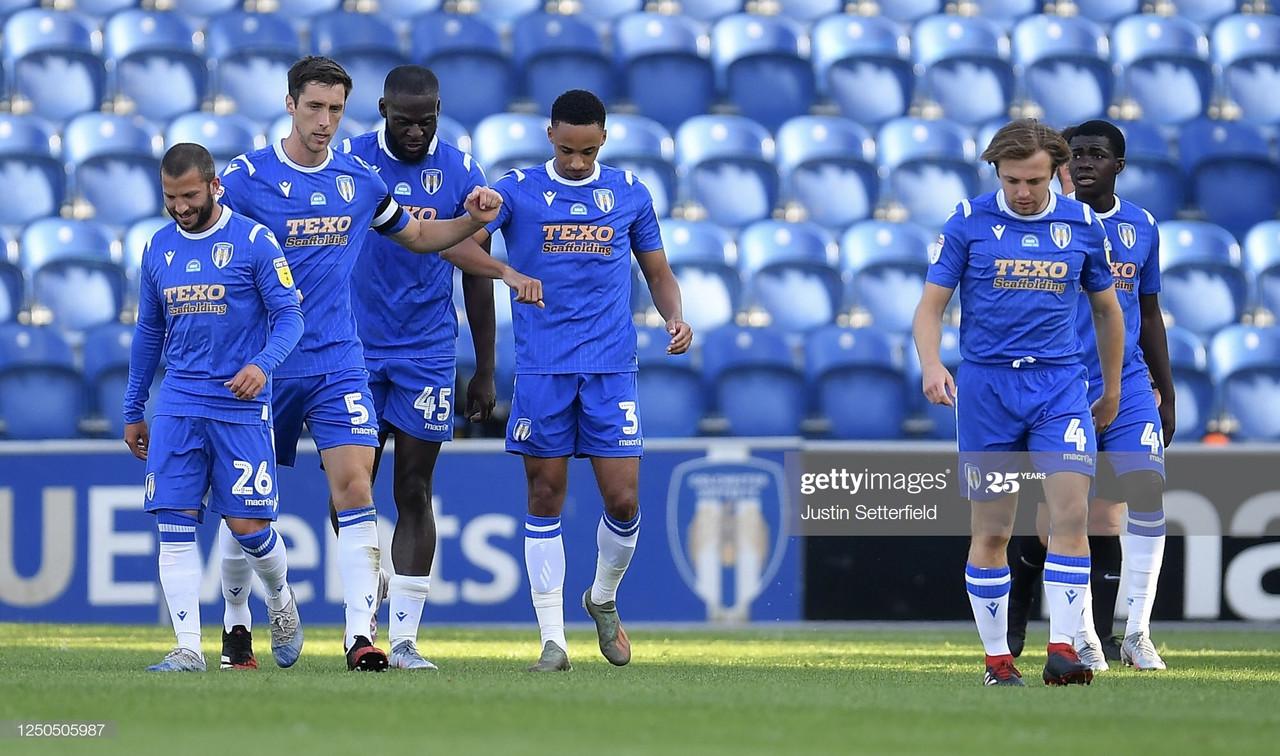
<point x="792" y="690"/>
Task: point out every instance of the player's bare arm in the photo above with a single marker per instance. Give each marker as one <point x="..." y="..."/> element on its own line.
<point x="247" y="382"/>
<point x="665" y="290"/>
<point x="430" y="236"/>
<point x="1155" y="350"/>
<point x="1108" y="322"/>
<point x="469" y="257"/>
<point x="926" y="328"/>
<point x="137" y="437"/>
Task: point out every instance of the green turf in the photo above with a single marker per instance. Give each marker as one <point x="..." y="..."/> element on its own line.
<point x="728" y="692"/>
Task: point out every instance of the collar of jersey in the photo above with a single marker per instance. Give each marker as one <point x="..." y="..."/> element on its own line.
<point x="382" y="143"/>
<point x="223" y="218"/>
<point x="556" y="177"/>
<point x="284" y="158"/>
<point x="1103" y="216"/>
<point x="1004" y="207"/>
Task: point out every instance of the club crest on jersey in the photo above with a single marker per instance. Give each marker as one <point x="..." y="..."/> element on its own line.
<point x="403" y="188"/>
<point x="578" y="209"/>
<point x="346" y="187"/>
<point x="432" y="180"/>
<point x="522" y="430"/>
<point x="935" y="249"/>
<point x="150" y="486"/>
<point x="1128" y="235"/>
<point x="1060" y="233"/>
<point x="317" y="198"/>
<point x="222" y="254"/>
<point x="604" y="199"/>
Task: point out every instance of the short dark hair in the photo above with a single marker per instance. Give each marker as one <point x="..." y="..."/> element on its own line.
<point x="187" y="156"/>
<point x="1098" y="128"/>
<point x="317" y="69"/>
<point x="411" y="80"/>
<point x="577" y="107"/>
<point x="1019" y="140"/>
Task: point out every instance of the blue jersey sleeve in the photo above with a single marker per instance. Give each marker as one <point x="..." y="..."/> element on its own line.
<point x="948" y="261"/>
<point x="1096" y="274"/>
<point x="646" y="236"/>
<point x="275" y="283"/>
<point x="1149" y="276"/>
<point x="148" y="343"/>
<point x="475" y="177"/>
<point x="235" y="190"/>
<point x="506" y="186"/>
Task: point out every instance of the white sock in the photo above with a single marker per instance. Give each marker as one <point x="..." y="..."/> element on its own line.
<point x="1142" y="547"/>
<point x="179" y="563"/>
<point x="359" y="560"/>
<point x="1066" y="580"/>
<point x="237" y="577"/>
<point x="988" y="589"/>
<point x="1087" y="632"/>
<point x="267" y="557"/>
<point x="544" y="561"/>
<point x="407" y="594"/>
<point x="616" y="541"/>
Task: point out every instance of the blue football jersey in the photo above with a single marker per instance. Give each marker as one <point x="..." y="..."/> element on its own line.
<point x="320" y="216"/>
<point x="210" y="299"/>
<point x="404" y="301"/>
<point x="1019" y="277"/>
<point x="1135" y="263"/>
<point x="577" y="237"/>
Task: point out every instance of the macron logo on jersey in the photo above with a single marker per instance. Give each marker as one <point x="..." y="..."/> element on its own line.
<point x="549" y="197"/>
<point x="168" y="257"/>
<point x="285" y="186"/>
<point x="999" y="230"/>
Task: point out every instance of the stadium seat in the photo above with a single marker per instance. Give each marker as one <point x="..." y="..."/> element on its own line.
<point x="1261" y="250"/>
<point x="1107" y="12"/>
<point x="728" y="168"/>
<point x="304" y="8"/>
<point x="808" y="11"/>
<point x="102" y="8"/>
<point x="790" y="273"/>
<point x="1195" y="399"/>
<point x="605" y="12"/>
<point x="1245" y="363"/>
<point x="114" y="166"/>
<point x="106" y="372"/>
<point x="885" y="264"/>
<point x="53" y="63"/>
<point x="404" y="10"/>
<point x="909" y="11"/>
<point x="253" y="52"/>
<point x="863" y="66"/>
<point x="465" y="52"/>
<point x="1164" y="65"/>
<point x="510" y="140"/>
<point x="1064" y="67"/>
<point x="13" y="291"/>
<point x="709" y="11"/>
<point x="41" y="394"/>
<point x="699" y="254"/>
<point x="33" y="181"/>
<point x="931" y="167"/>
<point x="1203" y="284"/>
<point x="966" y="67"/>
<point x="505" y="12"/>
<point x="204" y="9"/>
<point x="644" y="147"/>
<point x="154" y="64"/>
<point x="757" y="386"/>
<point x="135" y="240"/>
<point x="50" y="239"/>
<point x="556" y="53"/>
<point x="762" y="67"/>
<point x="941" y="419"/>
<point x="225" y="136"/>
<point x="1206" y="12"/>
<point x="828" y="167"/>
<point x="856" y="376"/>
<point x="365" y="45"/>
<point x="1234" y="178"/>
<point x="1152" y="178"/>
<point x="74" y="272"/>
<point x="671" y="393"/>
<point x="454" y="133"/>
<point x="1247" y="51"/>
<point x="664" y="67"/>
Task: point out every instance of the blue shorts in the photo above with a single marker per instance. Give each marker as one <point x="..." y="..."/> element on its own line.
<point x="583" y="414"/>
<point x="1135" y="441"/>
<point x="414" y="395"/>
<point x="336" y="407"/>
<point x="235" y="464"/>
<point x="1003" y="412"/>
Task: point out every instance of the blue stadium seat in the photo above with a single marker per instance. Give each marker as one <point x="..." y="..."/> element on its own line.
<point x="253" y="52"/>
<point x="454" y="133"/>
<point x="966" y="67"/>
<point x="710" y="287"/>
<point x="663" y="66"/>
<point x="1245" y="363"/>
<point x="809" y="11"/>
<point x="856" y="376"/>
<point x="1152" y="178"/>
<point x="1107" y="12"/>
<point x="672" y="396"/>
<point x="931" y="167"/>
<point x="1064" y="68"/>
<point x="1164" y="64"/>
<point x="1235" y="180"/>
<point x="114" y="166"/>
<point x="644" y="147"/>
<point x="41" y="394"/>
<point x="465" y="52"/>
<point x="135" y="240"/>
<point x="790" y="273"/>
<point x="33" y="181"/>
<point x="74" y="271"/>
<point x="13" y="291"/>
<point x="205" y="9"/>
<point x="762" y="67"/>
<point x="510" y="140"/>
<point x="1247" y="51"/>
<point x="607" y="11"/>
<point x="366" y="46"/>
<point x="54" y="63"/>
<point x="106" y="372"/>
<point x="1206" y="12"/>
<point x="910" y="11"/>
<point x="728" y="168"/>
<point x="885" y="264"/>
<point x="829" y="167"/>
<point x="154" y="63"/>
<point x="863" y="65"/>
<point x="557" y="53"/>
<point x="504" y="12"/>
<point x="1261" y="250"/>
<point x="1195" y="391"/>
<point x="404" y="10"/>
<point x="753" y="375"/>
<point x="941" y="419"/>
<point x="225" y="136"/>
<point x="709" y="11"/>
<point x="51" y="239"/>
<point x="305" y="8"/>
<point x="1006" y="13"/>
<point x="9" y="7"/>
<point x="1203" y="284"/>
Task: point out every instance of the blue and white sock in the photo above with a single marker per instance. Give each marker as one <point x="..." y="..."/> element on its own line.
<point x="180" y="574"/>
<point x="267" y="556"/>
<point x="237" y="577"/>
<point x="616" y="542"/>
<point x="544" y="561"/>
<point x="988" y="589"/>
<point x="359" y="560"/>
<point x="1066" y="579"/>
<point x="1143" y="548"/>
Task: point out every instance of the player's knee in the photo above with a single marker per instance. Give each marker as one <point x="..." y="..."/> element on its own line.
<point x="546" y="497"/>
<point x="351" y="492"/>
<point x="413" y="494"/>
<point x="622" y="504"/>
<point x="1144" y="490"/>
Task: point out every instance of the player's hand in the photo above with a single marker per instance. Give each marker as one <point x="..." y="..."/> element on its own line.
<point x="1168" y="419"/>
<point x="938" y="385"/>
<point x="1104" y="412"/>
<point x="483" y="203"/>
<point x="482" y="397"/>
<point x="681" y="336"/>
<point x="247" y="383"/>
<point x="137" y="437"/>
<point x="528" y="290"/>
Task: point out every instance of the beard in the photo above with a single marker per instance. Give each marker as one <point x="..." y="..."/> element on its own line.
<point x="201" y="218"/>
